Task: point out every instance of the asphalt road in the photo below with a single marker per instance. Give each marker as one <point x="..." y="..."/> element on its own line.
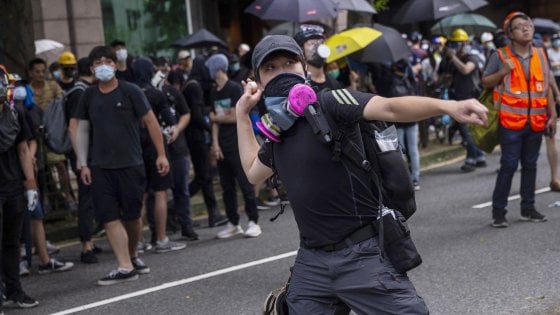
<point x="469" y="267"/>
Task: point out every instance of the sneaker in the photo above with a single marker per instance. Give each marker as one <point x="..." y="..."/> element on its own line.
<point x="140" y="266"/>
<point x="217" y="220"/>
<point x="532" y="215"/>
<point x="97" y="250"/>
<point x="54" y="266"/>
<point x="117" y="276"/>
<point x="20" y="300"/>
<point x="416" y="185"/>
<point x="273" y="201"/>
<point x="467" y="167"/>
<point x="261" y="206"/>
<point x="481" y="163"/>
<point x="555" y="186"/>
<point x="24" y="268"/>
<point x="229" y="231"/>
<point x="253" y="230"/>
<point x="188" y="233"/>
<point x="500" y="222"/>
<point x="167" y="246"/>
<point x="52" y="249"/>
<point x="88" y="257"/>
<point x="143" y="247"/>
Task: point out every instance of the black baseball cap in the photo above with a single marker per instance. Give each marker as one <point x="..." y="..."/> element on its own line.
<point x="273" y="43"/>
<point x="117" y="42"/>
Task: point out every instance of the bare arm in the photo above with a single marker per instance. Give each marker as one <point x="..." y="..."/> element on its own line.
<point x="463" y="68"/>
<point x="73" y="131"/>
<point x="26" y="162"/>
<point x="180" y="127"/>
<point x="415" y="108"/>
<point x="255" y="170"/>
<point x="491" y="80"/>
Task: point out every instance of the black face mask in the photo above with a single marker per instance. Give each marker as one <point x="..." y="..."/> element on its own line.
<point x="69" y="72"/>
<point x="281" y="85"/>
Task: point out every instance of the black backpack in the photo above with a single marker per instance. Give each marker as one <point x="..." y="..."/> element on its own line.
<point x="387" y="171"/>
<point x="9" y="128"/>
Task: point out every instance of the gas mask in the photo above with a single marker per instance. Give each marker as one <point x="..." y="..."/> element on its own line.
<point x="69" y="72"/>
<point x="285" y="97"/>
<point x="5" y="93"/>
<point x="318" y="55"/>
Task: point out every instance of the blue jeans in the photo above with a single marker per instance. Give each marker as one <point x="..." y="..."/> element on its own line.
<point x="474" y="154"/>
<point x="517" y="146"/>
<point x="408" y="136"/>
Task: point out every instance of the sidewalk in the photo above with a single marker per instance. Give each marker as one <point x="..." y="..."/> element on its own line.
<point x="433" y="155"/>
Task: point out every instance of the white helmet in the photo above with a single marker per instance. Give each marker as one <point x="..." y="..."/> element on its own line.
<point x="486" y="37"/>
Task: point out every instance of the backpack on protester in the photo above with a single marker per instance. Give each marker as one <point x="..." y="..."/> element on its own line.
<point x="9" y="128"/>
<point x="55" y="124"/>
<point x="389" y="179"/>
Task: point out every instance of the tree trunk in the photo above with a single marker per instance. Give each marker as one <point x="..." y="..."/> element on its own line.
<point x="17" y="37"/>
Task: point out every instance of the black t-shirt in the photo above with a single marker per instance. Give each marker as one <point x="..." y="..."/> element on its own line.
<point x="115" y="124"/>
<point x="158" y="102"/>
<point x="11" y="173"/>
<point x="329" y="201"/>
<point x="194" y="95"/>
<point x="224" y="100"/>
<point x="127" y="75"/>
<point x="463" y="85"/>
<point x="177" y="149"/>
<point x="329" y="83"/>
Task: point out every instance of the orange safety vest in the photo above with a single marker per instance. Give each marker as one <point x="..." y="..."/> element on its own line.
<point x="522" y="98"/>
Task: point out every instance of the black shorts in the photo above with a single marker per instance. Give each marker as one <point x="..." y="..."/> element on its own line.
<point x="157" y="182"/>
<point x="118" y="193"/>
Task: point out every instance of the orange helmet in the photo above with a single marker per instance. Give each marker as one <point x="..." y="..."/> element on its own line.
<point x="510" y="17"/>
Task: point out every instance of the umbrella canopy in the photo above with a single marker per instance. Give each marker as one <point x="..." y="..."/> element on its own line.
<point x="389" y="47"/>
<point x="545" y="26"/>
<point x="355" y="5"/>
<point x="350" y="41"/>
<point x="48" y="49"/>
<point x="200" y="38"/>
<point x="472" y="23"/>
<point x="291" y="28"/>
<point x="430" y="10"/>
<point x="292" y="10"/>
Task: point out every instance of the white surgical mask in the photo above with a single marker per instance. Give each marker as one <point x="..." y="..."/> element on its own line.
<point x="20" y="93"/>
<point x="56" y="74"/>
<point x="122" y="54"/>
<point x="104" y="73"/>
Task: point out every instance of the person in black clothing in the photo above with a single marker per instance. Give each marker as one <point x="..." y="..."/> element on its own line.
<point x="85" y="203"/>
<point x="156" y="207"/>
<point x="125" y="70"/>
<point x="198" y="134"/>
<point x="224" y="96"/>
<point x="329" y="201"/>
<point x="237" y="71"/>
<point x="17" y="183"/>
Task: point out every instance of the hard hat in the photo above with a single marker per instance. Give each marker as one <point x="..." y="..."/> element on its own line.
<point x="486" y="37"/>
<point x="459" y="35"/>
<point x="415" y="36"/>
<point x="510" y="17"/>
<point x="67" y="58"/>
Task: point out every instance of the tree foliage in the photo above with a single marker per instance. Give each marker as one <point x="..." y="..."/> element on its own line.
<point x="170" y="19"/>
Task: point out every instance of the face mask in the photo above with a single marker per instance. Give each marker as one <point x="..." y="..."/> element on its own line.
<point x="20" y="93"/>
<point x="158" y="79"/>
<point x="318" y="55"/>
<point x="334" y="73"/>
<point x="69" y="72"/>
<point x="104" y="73"/>
<point x="556" y="43"/>
<point x="490" y="46"/>
<point x="122" y="54"/>
<point x="56" y="74"/>
<point x="286" y="97"/>
<point x="234" y="67"/>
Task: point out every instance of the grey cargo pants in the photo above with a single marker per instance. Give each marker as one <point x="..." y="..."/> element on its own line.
<point x="326" y="282"/>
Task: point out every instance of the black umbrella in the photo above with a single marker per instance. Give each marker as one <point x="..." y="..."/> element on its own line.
<point x="355" y="5"/>
<point x="545" y="25"/>
<point x="291" y="28"/>
<point x="429" y="10"/>
<point x="389" y="47"/>
<point x="200" y="38"/>
<point x="292" y="10"/>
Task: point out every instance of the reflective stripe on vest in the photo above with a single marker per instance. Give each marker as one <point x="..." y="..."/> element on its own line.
<point x="521" y="100"/>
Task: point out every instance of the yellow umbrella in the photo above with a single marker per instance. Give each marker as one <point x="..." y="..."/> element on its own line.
<point x="345" y="43"/>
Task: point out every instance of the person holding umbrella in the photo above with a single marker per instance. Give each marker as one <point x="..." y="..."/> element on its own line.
<point x="526" y="112"/>
<point x="463" y="69"/>
<point x="330" y="202"/>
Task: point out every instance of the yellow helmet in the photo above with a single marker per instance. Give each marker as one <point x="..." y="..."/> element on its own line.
<point x="459" y="35"/>
<point x="67" y="58"/>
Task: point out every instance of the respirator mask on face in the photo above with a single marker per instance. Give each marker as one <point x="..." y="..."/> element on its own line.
<point x="318" y="55"/>
<point x="285" y="97"/>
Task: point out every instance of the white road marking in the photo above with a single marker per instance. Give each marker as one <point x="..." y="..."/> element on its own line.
<point x="176" y="283"/>
<point x="510" y="198"/>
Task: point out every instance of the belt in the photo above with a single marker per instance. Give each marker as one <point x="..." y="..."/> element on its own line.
<point x="365" y="232"/>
